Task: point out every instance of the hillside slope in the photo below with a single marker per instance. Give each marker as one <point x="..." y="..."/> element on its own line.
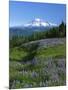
<point x="38" y="63"/>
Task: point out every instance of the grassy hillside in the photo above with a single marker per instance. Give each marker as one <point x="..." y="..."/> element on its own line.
<point x="55" y="51"/>
<point x="32" y="65"/>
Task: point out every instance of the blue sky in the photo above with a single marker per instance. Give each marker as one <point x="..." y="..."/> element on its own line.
<point x="24" y="12"/>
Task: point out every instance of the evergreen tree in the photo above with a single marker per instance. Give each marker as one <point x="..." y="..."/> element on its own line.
<point x="62" y="29"/>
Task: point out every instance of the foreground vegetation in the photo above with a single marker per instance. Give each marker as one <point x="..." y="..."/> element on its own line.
<point x="37" y="66"/>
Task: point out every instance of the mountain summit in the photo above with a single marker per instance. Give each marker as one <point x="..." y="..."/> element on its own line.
<point x="37" y="22"/>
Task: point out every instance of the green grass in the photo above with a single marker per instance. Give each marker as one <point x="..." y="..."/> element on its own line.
<point x="17" y="54"/>
<point x="16" y="68"/>
<point x="55" y="51"/>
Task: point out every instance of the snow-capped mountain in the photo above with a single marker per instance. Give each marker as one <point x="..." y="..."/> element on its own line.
<point x="35" y="25"/>
<point x="37" y="22"/>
